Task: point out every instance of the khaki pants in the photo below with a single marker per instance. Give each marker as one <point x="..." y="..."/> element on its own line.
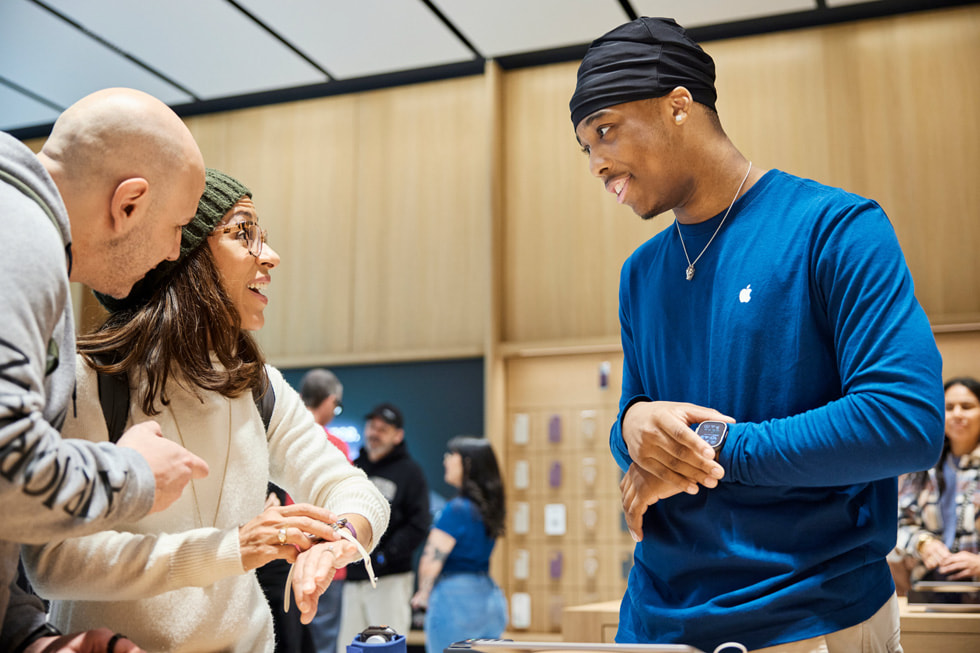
<point x="386" y="605"/>
<point x="879" y="634"/>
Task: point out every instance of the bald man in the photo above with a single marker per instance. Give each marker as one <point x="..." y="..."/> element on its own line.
<point x="102" y="204"/>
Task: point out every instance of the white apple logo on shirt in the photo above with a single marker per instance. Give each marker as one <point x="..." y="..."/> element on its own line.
<point x="745" y="294"/>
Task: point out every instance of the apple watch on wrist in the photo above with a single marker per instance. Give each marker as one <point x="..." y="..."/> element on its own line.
<point x="714" y="433"/>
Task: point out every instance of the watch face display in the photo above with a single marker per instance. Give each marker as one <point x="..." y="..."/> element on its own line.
<point x="712" y="432"/>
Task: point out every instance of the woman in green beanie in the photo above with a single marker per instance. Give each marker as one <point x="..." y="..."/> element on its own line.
<point x="181" y="579"/>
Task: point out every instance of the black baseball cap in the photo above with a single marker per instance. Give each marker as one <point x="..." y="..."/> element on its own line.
<point x="389" y="413"/>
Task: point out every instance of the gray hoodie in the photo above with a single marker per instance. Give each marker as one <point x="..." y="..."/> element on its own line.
<point x="50" y="488"/>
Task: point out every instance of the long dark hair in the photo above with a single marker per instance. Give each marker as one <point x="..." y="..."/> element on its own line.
<point x="481" y="481"/>
<point x="187" y="320"/>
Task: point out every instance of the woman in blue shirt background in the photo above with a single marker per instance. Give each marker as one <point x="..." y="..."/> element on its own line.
<point x="455" y="588"/>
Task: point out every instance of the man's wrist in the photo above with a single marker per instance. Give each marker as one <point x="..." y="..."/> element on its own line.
<point x="622" y="418"/>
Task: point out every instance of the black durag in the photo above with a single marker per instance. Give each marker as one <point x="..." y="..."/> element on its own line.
<point x="645" y="58"/>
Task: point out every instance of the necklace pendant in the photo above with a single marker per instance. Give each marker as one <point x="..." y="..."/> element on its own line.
<point x="690" y="272"/>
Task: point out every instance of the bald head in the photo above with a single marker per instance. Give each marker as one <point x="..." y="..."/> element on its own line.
<point x="127" y="167"/>
<point x="118" y="133"/>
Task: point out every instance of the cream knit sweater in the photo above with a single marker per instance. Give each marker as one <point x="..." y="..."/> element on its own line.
<point x="173" y="581"/>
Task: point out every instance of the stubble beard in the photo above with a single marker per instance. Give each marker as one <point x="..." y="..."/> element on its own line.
<point x="125" y="263"/>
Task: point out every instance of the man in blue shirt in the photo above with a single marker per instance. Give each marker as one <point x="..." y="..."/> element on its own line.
<point x="782" y="310"/>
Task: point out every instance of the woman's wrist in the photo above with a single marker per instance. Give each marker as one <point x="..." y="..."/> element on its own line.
<point x="349" y="526"/>
<point x="924" y="539"/>
<point x="358" y="526"/>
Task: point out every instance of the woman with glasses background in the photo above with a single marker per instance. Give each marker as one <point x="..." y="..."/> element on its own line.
<point x="182" y="579"/>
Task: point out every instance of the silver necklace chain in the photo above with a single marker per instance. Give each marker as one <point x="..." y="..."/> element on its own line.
<point x="689" y="273"/>
<point x="224" y="474"/>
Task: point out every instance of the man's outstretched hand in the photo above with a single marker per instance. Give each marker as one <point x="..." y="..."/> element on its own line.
<point x="173" y="466"/>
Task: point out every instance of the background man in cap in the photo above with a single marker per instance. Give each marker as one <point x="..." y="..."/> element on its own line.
<point x="102" y="203"/>
<point x="385" y="460"/>
<point x="783" y="310"/>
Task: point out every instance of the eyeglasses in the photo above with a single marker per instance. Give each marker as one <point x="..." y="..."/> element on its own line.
<point x="250" y="235"/>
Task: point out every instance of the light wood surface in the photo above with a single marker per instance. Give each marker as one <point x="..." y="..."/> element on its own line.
<point x="591" y="622"/>
<point x="922" y="631"/>
<point x="378" y="205"/>
<point x="297" y="160"/>
<point x="422" y="209"/>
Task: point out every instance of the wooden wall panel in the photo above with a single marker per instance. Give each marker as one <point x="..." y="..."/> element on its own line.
<point x="381" y="197"/>
<point x="298" y="160"/>
<point x="420" y="248"/>
<point x="565" y="237"/>
<point x="960" y="352"/>
<point x="568" y="412"/>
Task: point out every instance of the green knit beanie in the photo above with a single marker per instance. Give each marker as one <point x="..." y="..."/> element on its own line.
<point x="221" y="192"/>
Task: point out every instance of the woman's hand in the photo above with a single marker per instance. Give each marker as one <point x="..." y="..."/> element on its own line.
<point x="314" y="570"/>
<point x="420" y="601"/>
<point x="282" y="532"/>
<point x="961" y="565"/>
<point x="932" y="552"/>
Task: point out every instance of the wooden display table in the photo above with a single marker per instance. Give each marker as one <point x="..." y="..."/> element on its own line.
<point x="949" y="632"/>
<point x="592" y="622"/>
<point x="922" y="631"/>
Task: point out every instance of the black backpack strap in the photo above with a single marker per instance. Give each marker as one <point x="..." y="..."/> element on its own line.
<point x="114" y="397"/>
<point x="265" y="399"/>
